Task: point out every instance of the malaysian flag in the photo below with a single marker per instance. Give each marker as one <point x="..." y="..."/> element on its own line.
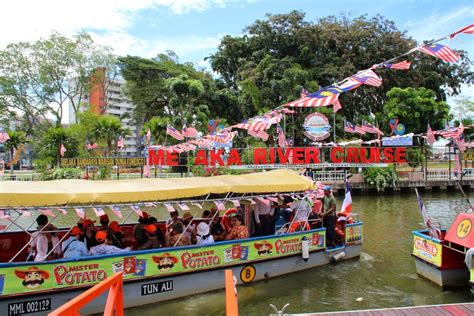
<point x="189" y="132"/>
<point x="220" y="205"/>
<point x="236" y="203"/>
<point x="91" y="146"/>
<point x="137" y="210"/>
<point x="281" y="136"/>
<point x="430" y="136"/>
<point x="183" y="206"/>
<point x="466" y="30"/>
<point x="433" y="231"/>
<point x="99" y="211"/>
<point x="47" y="212"/>
<point x="440" y="51"/>
<point x="62" y="210"/>
<point x="121" y="143"/>
<point x="261" y="134"/>
<point x="304" y="93"/>
<point x="368" y="77"/>
<point x="352" y="128"/>
<point x="450" y="132"/>
<point x="371" y="129"/>
<point x="173" y="132"/>
<point x="460" y="141"/>
<point x="403" y="65"/>
<point x="80" y="211"/>
<point x="62" y="150"/>
<point x="148" y="135"/>
<point x="170" y="208"/>
<point x="116" y="210"/>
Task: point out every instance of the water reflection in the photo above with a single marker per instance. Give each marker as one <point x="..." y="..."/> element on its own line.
<point x="384" y="276"/>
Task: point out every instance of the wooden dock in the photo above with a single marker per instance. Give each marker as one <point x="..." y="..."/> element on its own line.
<point x="462" y="309"/>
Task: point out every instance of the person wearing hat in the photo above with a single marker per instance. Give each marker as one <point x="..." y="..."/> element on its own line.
<point x="189" y="226"/>
<point x="153" y="241"/>
<point x="42" y="241"/>
<point x="329" y="216"/>
<point x="104" y="221"/>
<point x="138" y="230"/>
<point x="102" y="247"/>
<point x="203" y="234"/>
<point x="115" y="234"/>
<point x="74" y="248"/>
<point x="89" y="233"/>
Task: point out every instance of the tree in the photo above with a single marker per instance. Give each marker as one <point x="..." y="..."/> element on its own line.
<point x="157" y="126"/>
<point x="278" y="56"/>
<point x="16" y="140"/>
<point x="49" y="146"/>
<point x="109" y="129"/>
<point x="415" y="108"/>
<point x="40" y="79"/>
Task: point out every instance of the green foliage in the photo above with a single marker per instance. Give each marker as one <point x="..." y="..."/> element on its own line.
<point x="415" y="156"/>
<point x="61" y="173"/>
<point x="415" y="108"/>
<point x="49" y="145"/>
<point x="108" y="129"/>
<point x="380" y="177"/>
<point x="16" y="140"/>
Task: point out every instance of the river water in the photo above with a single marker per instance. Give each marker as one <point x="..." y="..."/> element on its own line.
<point x="384" y="276"/>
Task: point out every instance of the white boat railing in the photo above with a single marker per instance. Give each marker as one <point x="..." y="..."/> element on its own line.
<point x="467" y="174"/>
<point x="327" y="176"/>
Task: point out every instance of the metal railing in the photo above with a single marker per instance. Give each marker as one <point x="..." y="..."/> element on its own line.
<point x="467" y="174"/>
<point x="327" y="176"/>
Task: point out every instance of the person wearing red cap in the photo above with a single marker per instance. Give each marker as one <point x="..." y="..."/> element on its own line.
<point x="115" y="234"/>
<point x="139" y="229"/>
<point x="152" y="242"/>
<point x="102" y="248"/>
<point x="89" y="233"/>
<point x="74" y="248"/>
<point x="104" y="221"/>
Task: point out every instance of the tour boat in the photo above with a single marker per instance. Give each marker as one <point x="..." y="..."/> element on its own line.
<point x="161" y="274"/>
<point x="448" y="259"/>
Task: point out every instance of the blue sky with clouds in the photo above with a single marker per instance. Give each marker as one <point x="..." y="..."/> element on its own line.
<point x="193" y="28"/>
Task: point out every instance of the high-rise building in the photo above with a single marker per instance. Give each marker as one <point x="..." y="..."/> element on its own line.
<point x="107" y="97"/>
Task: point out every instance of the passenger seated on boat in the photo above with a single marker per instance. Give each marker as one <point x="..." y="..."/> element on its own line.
<point x="159" y="234"/>
<point x="89" y="233"/>
<point x="114" y="235"/>
<point x="73" y="247"/>
<point x="203" y="234"/>
<point x="173" y="219"/>
<point x="152" y="242"/>
<point x="237" y="230"/>
<point x="138" y="230"/>
<point x="206" y="214"/>
<point x="217" y="230"/>
<point x="176" y="236"/>
<point x="102" y="248"/>
<point x="189" y="226"/>
<point x="314" y="217"/>
<point x="104" y="222"/>
<point x="41" y="243"/>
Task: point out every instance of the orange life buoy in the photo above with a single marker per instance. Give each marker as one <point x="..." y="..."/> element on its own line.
<point x="226" y="218"/>
<point x="299" y="226"/>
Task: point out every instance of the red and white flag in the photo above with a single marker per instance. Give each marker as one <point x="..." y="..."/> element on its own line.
<point x="47" y="212"/>
<point x="80" y="212"/>
<point x="3" y="136"/>
<point x="137" y="210"/>
<point x="4" y="214"/>
<point x="281" y="136"/>
<point x="440" y="51"/>
<point x="430" y="136"/>
<point x="183" y="207"/>
<point x="236" y="203"/>
<point x="99" y="211"/>
<point x="116" y="210"/>
<point x="220" y="205"/>
<point x="148" y="135"/>
<point x="346" y="207"/>
<point x="62" y="150"/>
<point x="260" y="134"/>
<point x="121" y="143"/>
<point x="189" y="132"/>
<point x="170" y="208"/>
<point x="173" y="132"/>
<point x="466" y="30"/>
<point x="91" y="146"/>
<point x="62" y="210"/>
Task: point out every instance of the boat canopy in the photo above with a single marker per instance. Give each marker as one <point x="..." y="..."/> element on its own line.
<point x="70" y="192"/>
<point x="461" y="231"/>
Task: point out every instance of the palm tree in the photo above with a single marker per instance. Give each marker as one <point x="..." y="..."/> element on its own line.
<point x="109" y="129"/>
<point x="17" y="138"/>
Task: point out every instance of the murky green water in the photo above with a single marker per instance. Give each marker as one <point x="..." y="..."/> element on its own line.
<point x="384" y="276"/>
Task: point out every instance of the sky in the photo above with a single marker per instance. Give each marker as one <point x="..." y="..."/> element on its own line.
<point x="193" y="28"/>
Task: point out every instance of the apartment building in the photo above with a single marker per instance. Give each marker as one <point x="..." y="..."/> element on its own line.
<point x="108" y="97"/>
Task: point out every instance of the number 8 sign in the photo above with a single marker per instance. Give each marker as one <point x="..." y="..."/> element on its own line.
<point x="248" y="274"/>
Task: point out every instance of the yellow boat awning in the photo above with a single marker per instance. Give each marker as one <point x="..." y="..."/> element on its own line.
<point x="66" y="192"/>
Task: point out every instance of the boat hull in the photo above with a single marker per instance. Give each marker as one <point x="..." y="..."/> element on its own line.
<point x="445" y="278"/>
<point x="163" y="288"/>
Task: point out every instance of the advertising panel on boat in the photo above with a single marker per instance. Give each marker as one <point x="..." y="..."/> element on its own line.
<point x="427" y="249"/>
<point x="166" y="262"/>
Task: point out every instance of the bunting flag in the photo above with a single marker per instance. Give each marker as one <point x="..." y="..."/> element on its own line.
<point x="449" y="132"/>
<point x="403" y="65"/>
<point x="433" y="231"/>
<point x="121" y="143"/>
<point x="62" y="210"/>
<point x="62" y="150"/>
<point x="197" y="205"/>
<point x="3" y="136"/>
<point x="146" y="171"/>
<point x="352" y="128"/>
<point x="323" y="97"/>
<point x="261" y="134"/>
<point x="99" y="211"/>
<point x="80" y="212"/>
<point x="150" y="204"/>
<point x="183" y="207"/>
<point x="281" y="136"/>
<point x="220" y="205"/>
<point x="466" y="30"/>
<point x="25" y="213"/>
<point x="202" y="142"/>
<point x="346" y="207"/>
<point x="137" y="210"/>
<point x="371" y="129"/>
<point x="4" y="214"/>
<point x="170" y="208"/>
<point x="116" y="210"/>
<point x="148" y="135"/>
<point x="47" y="212"/>
<point x="460" y="141"/>
<point x="236" y="203"/>
<point x="91" y="146"/>
<point x="368" y="77"/>
<point x="222" y="138"/>
<point x="430" y="136"/>
<point x="189" y="132"/>
<point x="457" y="164"/>
<point x="440" y="51"/>
<point x="254" y="125"/>
<point x="173" y="132"/>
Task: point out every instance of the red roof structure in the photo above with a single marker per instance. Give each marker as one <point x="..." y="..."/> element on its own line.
<point x="461" y="231"/>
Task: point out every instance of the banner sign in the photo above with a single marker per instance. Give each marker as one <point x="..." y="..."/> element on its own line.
<point x="398" y="141"/>
<point x="427" y="249"/>
<point x="38" y="277"/>
<point x="353" y="233"/>
<point x="103" y="162"/>
<point x="316" y="126"/>
<point x="310" y="165"/>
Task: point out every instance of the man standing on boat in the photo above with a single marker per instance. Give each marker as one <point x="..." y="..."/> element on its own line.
<point x="263" y="214"/>
<point x="329" y="216"/>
